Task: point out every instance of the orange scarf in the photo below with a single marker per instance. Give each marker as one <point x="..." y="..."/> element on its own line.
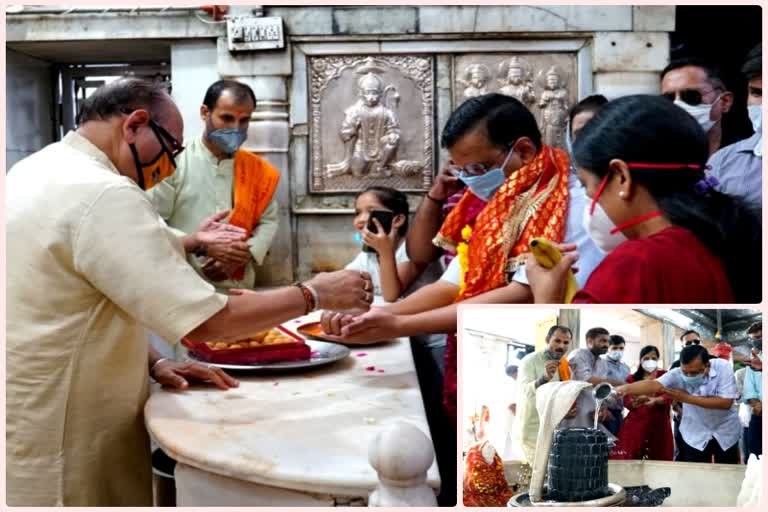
<point x="531" y="203"/>
<point x="255" y="183"/>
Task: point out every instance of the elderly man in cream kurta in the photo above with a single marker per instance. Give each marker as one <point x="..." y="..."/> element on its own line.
<point x="91" y="267"/>
<point x="76" y="366"/>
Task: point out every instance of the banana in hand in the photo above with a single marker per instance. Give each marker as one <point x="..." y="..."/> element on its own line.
<point x="548" y="255"/>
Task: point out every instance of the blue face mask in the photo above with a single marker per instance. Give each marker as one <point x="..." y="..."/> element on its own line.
<point x="693" y="381"/>
<point x="227" y="139"/>
<point x="485" y="185"/>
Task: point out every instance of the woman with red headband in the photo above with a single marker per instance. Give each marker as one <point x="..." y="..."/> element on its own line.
<point x="670" y="236"/>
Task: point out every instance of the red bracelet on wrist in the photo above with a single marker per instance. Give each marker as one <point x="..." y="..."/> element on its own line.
<point x="309" y="298"/>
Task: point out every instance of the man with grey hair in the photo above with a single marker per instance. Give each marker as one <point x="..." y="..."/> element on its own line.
<point x="91" y="267"/>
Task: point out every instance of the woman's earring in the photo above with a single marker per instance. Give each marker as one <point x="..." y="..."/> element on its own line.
<point x="621" y="194"/>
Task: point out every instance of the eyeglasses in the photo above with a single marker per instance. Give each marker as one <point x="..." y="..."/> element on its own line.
<point x="692" y="97"/>
<point x="163" y="137"/>
<point x="691" y="342"/>
<point x="478" y="169"/>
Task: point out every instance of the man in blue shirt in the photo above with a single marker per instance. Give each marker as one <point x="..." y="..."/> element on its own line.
<point x="710" y="427"/>
<point x="738" y="167"/>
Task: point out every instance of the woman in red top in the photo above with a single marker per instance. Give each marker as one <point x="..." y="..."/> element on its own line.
<point x="645" y="433"/>
<point x="671" y="237"/>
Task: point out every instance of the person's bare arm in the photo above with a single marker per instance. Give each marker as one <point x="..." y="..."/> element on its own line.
<point x="597" y="380"/>
<point x="435" y="295"/>
<point x="254" y="311"/>
<point x="707" y="402"/>
<point x="429" y="218"/>
<point x="643" y="387"/>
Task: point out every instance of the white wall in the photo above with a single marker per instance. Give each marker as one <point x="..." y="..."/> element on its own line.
<point x="28" y="100"/>
<point x="193" y="69"/>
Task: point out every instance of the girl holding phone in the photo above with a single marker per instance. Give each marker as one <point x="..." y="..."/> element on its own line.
<point x="381" y="222"/>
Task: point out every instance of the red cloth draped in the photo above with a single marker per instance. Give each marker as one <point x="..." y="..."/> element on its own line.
<point x="646" y="432"/>
<point x="669" y="267"/>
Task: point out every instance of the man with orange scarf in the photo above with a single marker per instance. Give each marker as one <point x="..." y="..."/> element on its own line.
<point x="215" y="175"/>
<point x="536" y="369"/>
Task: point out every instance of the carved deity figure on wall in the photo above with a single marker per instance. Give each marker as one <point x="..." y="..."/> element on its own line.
<point x="516" y="82"/>
<point x="371" y="128"/>
<point x="475" y="81"/>
<point x="554" y="108"/>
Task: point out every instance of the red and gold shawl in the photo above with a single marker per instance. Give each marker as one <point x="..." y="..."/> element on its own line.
<point x="484" y="483"/>
<point x="531" y="203"/>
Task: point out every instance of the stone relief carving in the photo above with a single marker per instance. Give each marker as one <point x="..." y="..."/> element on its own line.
<point x="554" y="108"/>
<point x="548" y="95"/>
<point x="516" y="81"/>
<point x="475" y="80"/>
<point x="371" y="122"/>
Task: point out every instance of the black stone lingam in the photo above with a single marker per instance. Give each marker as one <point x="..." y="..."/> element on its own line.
<point x="577" y="469"/>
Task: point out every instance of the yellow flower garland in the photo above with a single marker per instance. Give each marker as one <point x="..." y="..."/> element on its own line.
<point x="462" y="253"/>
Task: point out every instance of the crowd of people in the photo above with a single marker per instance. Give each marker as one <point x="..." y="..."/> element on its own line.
<point x="720" y="415"/>
<point x="152" y="231"/>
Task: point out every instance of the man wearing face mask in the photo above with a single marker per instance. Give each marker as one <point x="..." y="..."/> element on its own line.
<point x="707" y="388"/>
<point x="215" y="175"/>
<point x="618" y="371"/>
<point x="496" y="149"/>
<point x="536" y="369"/>
<point x="588" y="366"/>
<point x="91" y="268"/>
<point x="753" y="390"/>
<point x="688" y="338"/>
<point x="739" y="166"/>
<point x="695" y="86"/>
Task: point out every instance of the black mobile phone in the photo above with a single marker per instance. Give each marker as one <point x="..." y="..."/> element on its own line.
<point x="385" y="219"/>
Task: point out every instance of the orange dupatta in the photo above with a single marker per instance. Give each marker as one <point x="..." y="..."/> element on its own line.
<point x="255" y="183"/>
<point x="531" y="203"/>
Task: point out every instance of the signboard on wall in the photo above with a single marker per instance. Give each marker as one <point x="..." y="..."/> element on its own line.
<point x="247" y="33"/>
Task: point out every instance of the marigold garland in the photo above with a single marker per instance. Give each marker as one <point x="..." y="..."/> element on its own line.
<point x="462" y="253"/>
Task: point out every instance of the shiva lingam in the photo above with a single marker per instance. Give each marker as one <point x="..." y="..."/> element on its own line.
<point x="577" y="470"/>
<point x="577" y="467"/>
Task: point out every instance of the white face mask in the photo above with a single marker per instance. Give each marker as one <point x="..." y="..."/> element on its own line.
<point x="616" y="355"/>
<point x="650" y="365"/>
<point x="701" y="113"/>
<point x="756" y="116"/>
<point x="599" y="226"/>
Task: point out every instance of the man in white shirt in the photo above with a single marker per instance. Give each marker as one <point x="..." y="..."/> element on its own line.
<point x="710" y="428"/>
